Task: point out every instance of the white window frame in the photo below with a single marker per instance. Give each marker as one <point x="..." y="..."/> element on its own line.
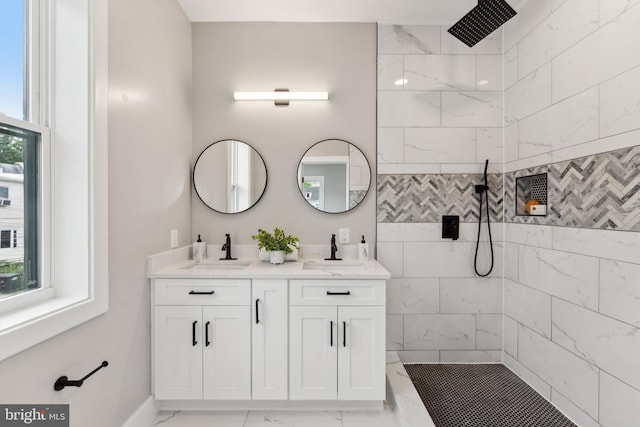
<point x="69" y="97"/>
<point x="13" y="304"/>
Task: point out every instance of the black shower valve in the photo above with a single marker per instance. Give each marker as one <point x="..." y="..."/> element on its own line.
<point x="481" y="188"/>
<point x="450" y="227"/>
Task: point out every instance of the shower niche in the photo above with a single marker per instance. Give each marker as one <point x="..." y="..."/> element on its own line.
<point x="531" y="195"/>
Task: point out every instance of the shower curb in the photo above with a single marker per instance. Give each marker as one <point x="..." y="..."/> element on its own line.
<point x="410" y="411"/>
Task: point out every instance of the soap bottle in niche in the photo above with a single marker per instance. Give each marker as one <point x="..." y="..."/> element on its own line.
<point x="199" y="250"/>
<point x="363" y="250"/>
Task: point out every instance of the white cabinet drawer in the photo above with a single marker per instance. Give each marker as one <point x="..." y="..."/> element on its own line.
<point x="202" y="291"/>
<point x="337" y="292"/>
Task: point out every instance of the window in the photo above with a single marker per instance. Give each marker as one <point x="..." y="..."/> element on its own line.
<point x="53" y="109"/>
<point x="9" y="239"/>
<point x="13" y="45"/>
<point x="239" y="159"/>
<point x="5" y="239"/>
<point x="20" y="158"/>
<point x="19" y="170"/>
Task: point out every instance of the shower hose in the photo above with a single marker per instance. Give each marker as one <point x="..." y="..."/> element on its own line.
<point x="481" y="189"/>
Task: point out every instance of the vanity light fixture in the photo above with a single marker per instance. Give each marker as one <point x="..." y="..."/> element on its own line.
<point x="281" y="97"/>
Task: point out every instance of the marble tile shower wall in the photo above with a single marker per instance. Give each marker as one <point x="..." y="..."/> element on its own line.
<point x="440" y="116"/>
<point x="439" y="102"/>
<point x="571" y="288"/>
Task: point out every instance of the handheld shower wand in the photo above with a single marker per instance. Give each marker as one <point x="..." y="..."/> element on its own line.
<point x="480" y="189"/>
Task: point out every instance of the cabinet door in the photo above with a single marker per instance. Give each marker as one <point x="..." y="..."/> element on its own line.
<point x="361" y="354"/>
<point x="313" y="344"/>
<point x="226" y="352"/>
<point x="178" y="352"/>
<point x="269" y="340"/>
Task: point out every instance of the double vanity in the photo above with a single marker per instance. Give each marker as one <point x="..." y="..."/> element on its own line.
<point x="301" y="334"/>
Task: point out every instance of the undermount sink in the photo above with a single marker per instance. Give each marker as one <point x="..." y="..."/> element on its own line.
<point x="333" y="265"/>
<point x="219" y="265"/>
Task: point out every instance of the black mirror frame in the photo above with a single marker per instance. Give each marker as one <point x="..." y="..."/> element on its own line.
<point x="266" y="176"/>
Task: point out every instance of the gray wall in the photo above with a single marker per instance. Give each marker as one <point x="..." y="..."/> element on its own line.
<point x="340" y="58"/>
<point x="149" y="193"/>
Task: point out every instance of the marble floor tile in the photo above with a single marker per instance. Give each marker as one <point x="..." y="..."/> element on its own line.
<point x="294" y="418"/>
<point x="383" y="418"/>
<point x="200" y="419"/>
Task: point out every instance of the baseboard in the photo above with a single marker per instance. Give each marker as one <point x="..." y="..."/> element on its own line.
<point x="144" y="415"/>
<point x="270" y="405"/>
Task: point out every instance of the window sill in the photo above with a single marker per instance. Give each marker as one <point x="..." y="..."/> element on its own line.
<point x="29" y="326"/>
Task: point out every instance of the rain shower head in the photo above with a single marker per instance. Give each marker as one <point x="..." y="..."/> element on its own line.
<point x="481" y="21"/>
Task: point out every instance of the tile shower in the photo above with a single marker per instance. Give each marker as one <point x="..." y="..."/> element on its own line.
<point x="439" y="117"/>
<point x="571" y="279"/>
<point x="572" y="294"/>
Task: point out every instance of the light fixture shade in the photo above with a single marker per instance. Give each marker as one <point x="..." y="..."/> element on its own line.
<point x="280" y="96"/>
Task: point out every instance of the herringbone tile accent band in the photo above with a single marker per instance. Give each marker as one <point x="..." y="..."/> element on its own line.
<point x="426" y="197"/>
<point x="601" y="191"/>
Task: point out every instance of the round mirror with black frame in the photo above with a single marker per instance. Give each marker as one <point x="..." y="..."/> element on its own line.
<point x="334" y="176"/>
<point x="230" y="176"/>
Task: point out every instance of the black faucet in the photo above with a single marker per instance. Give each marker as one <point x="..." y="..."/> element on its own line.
<point x="334" y="249"/>
<point x="227" y="247"/>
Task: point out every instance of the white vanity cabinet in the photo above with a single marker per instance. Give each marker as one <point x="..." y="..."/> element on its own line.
<point x="269" y="349"/>
<point x="337" y="340"/>
<point x="253" y="335"/>
<point x="178" y="362"/>
<point x="313" y="353"/>
<point x="202" y="339"/>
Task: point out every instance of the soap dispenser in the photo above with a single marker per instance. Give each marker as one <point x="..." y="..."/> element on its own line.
<point x="199" y="250"/>
<point x="363" y="250"/>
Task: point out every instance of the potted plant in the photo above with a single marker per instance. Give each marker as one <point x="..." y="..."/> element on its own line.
<point x="278" y="244"/>
<point x="264" y="239"/>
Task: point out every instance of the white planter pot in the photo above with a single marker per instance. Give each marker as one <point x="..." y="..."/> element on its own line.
<point x="293" y="256"/>
<point x="263" y="254"/>
<point x="277" y="257"/>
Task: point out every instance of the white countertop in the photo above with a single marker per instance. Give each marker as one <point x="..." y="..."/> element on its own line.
<point x="175" y="265"/>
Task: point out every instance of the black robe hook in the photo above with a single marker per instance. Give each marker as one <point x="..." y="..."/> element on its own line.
<point x="64" y="381"/>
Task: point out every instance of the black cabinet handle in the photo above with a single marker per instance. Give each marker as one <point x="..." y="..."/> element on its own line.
<point x="206" y="334"/>
<point x="193" y="333"/>
<point x="344" y="334"/>
<point x="201" y="293"/>
<point x="339" y="293"/>
<point x="257" y="313"/>
<point x="331" y="326"/>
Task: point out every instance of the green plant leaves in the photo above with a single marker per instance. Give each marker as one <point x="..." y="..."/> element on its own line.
<point x="278" y="241"/>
